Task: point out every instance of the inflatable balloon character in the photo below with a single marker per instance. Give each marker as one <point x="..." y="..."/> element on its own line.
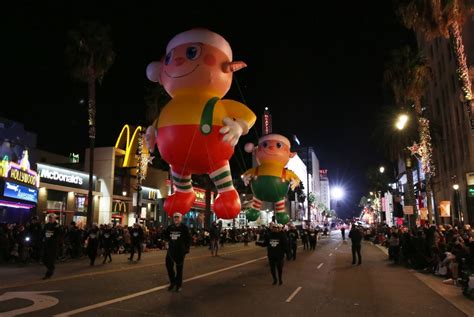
<point x="270" y="180"/>
<point x="197" y="130"/>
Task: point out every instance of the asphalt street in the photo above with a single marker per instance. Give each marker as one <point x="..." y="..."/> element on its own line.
<point x="236" y="283"/>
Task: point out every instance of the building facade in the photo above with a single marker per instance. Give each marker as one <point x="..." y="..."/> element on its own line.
<point x="452" y="136"/>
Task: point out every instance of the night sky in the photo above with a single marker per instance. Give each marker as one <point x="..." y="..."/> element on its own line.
<point x="318" y="70"/>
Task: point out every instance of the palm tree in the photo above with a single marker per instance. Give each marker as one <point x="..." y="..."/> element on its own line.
<point x="434" y="18"/>
<point x="408" y="74"/>
<point x="90" y="55"/>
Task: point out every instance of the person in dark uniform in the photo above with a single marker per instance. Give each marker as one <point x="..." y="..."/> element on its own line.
<point x="51" y="233"/>
<point x="34" y="232"/>
<point x="313" y="238"/>
<point x="356" y="237"/>
<point x="179" y="242"/>
<point x="92" y="243"/>
<point x="343" y="232"/>
<point x="293" y="237"/>
<point x="106" y="242"/>
<point x="277" y="246"/>
<point x="304" y="239"/>
<point x="214" y="238"/>
<point x="136" y="235"/>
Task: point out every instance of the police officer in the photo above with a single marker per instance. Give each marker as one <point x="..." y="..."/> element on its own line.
<point x="356" y="237"/>
<point x="179" y="242"/>
<point x="136" y="235"/>
<point x="106" y="242"/>
<point x="277" y="246"/>
<point x="50" y="234"/>
<point x="304" y="239"/>
<point x="293" y="237"/>
<point x="313" y="238"/>
<point x="92" y="243"/>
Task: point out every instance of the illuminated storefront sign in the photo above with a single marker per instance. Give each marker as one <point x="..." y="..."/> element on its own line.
<point x="61" y="176"/>
<point x="200" y="201"/>
<point x="151" y="193"/>
<point x="119" y="207"/>
<point x="18" y="191"/>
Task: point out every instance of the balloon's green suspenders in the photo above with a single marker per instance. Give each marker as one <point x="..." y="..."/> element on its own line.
<point x="206" y="118"/>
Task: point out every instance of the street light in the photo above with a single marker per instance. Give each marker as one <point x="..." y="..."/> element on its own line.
<point x="337" y="193"/>
<point x="381" y="169"/>
<point x="401" y="121"/>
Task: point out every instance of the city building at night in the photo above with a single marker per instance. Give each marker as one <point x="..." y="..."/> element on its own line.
<point x="453" y="141"/>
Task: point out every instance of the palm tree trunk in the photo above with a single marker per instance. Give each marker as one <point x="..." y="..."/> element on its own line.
<point x="429" y="198"/>
<point x="462" y="70"/>
<point x="91" y="110"/>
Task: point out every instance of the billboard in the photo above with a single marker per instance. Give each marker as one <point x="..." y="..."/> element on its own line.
<point x="18" y="191"/>
<point x="445" y="208"/>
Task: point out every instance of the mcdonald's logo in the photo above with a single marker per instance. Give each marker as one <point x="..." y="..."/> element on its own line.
<point x="119" y="207"/>
<point x="152" y="195"/>
<point x="129" y="145"/>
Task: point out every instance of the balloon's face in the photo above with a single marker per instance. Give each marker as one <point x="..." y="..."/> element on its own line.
<point x="195" y="67"/>
<point x="273" y="151"/>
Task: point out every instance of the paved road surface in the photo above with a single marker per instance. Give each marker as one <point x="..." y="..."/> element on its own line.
<point x="237" y="283"/>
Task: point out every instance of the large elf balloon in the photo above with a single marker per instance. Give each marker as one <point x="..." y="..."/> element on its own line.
<point x="197" y="130"/>
<point x="270" y="180"/>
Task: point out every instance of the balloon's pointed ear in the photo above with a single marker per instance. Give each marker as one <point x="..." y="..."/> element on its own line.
<point x="153" y="72"/>
<point x="292" y="154"/>
<point x="231" y="67"/>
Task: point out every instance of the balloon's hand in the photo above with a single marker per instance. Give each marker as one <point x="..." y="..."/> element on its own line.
<point x="294" y="183"/>
<point x="246" y="178"/>
<point x="232" y="129"/>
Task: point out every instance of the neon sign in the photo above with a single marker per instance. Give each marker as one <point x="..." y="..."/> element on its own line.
<point x="20" y="192"/>
<point x="267" y="123"/>
<point x="20" y="171"/>
<point x="22" y="176"/>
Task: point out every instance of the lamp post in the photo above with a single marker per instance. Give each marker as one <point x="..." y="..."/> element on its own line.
<point x="457" y="218"/>
<point x="409" y="200"/>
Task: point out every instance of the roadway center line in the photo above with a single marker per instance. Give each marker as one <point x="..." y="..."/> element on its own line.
<point x="335" y="248"/>
<point x="293" y="294"/>
<point x="330" y="254"/>
<point x="151" y="290"/>
<point x="320" y="265"/>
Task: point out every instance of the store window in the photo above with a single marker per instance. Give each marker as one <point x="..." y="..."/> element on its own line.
<point x="56" y="200"/>
<point x="81" y="203"/>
